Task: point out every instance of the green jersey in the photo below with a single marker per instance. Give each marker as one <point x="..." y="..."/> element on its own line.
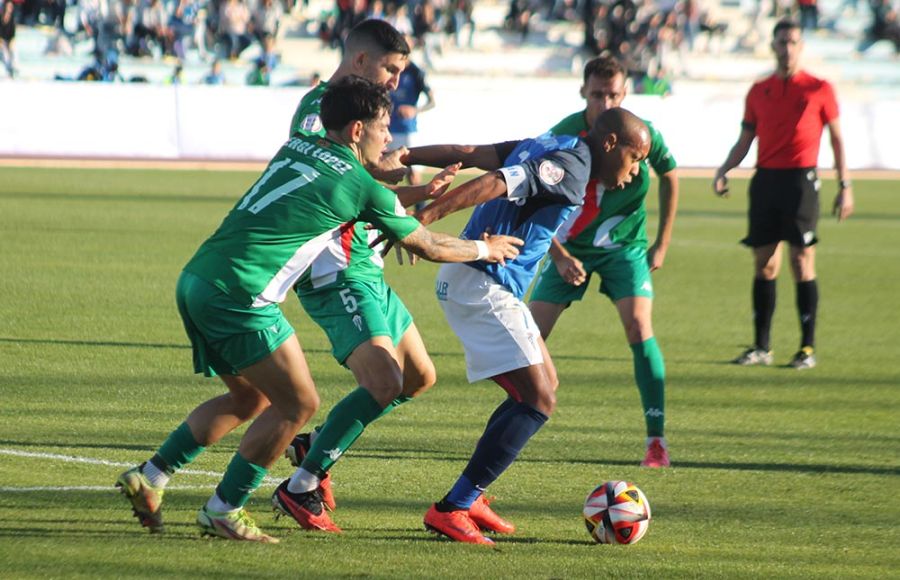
<point x="306" y="119"/>
<point x="307" y="122"/>
<point x="295" y="223"/>
<point x="617" y="218"/>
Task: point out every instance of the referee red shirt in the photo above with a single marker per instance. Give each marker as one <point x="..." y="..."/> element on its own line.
<point x="788" y="116"/>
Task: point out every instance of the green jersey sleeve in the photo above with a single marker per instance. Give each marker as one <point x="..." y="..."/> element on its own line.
<point x="387" y="213"/>
<point x="660" y="158"/>
<point x="574" y="124"/>
<point x="306" y="120"/>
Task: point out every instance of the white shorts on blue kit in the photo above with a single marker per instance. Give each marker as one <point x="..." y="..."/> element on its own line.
<point x="495" y="327"/>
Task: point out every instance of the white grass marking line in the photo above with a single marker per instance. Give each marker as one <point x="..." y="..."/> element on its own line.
<point x="93" y="461"/>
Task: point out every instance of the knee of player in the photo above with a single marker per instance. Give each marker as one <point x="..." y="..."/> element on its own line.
<point x="300" y="408"/>
<point x="638" y="331"/>
<point x="546" y="401"/>
<point x="251" y="404"/>
<point x="424" y="379"/>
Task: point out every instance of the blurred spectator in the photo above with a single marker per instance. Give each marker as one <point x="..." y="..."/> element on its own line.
<point x="177" y="76"/>
<point x="809" y="14"/>
<point x="884" y="26"/>
<point x="234" y="27"/>
<point x="266" y="19"/>
<point x="259" y="76"/>
<point x="404" y="116"/>
<point x="185" y="27"/>
<point x="714" y="29"/>
<point x="8" y="37"/>
<point x="58" y="45"/>
<point x="104" y="69"/>
<point x="268" y="52"/>
<point x="151" y="29"/>
<point x="463" y="20"/>
<point x="215" y="75"/>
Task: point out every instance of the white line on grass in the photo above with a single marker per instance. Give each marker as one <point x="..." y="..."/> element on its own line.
<point x="93" y="461"/>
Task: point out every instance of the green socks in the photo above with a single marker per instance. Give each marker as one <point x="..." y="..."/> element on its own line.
<point x="240" y="480"/>
<point x="179" y="449"/>
<point x="345" y="423"/>
<point x="650" y="374"/>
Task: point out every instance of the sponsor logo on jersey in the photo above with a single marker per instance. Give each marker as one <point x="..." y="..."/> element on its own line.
<point x="551" y="173"/>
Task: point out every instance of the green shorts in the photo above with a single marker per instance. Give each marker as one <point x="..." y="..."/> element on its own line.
<point x="352" y="312"/>
<point x="623" y="274"/>
<point x="226" y="336"/>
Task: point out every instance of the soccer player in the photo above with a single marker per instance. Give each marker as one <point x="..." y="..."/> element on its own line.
<point x="404" y="117"/>
<point x="787" y="112"/>
<point x="348" y="298"/>
<point x="607" y="237"/>
<point x="532" y="187"/>
<point x="293" y="217"/>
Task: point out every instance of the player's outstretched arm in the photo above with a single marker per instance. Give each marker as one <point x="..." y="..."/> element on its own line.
<point x="479" y="190"/>
<point x="481" y="156"/>
<point x="438" y="247"/>
<point x="413" y="194"/>
<point x="390" y="167"/>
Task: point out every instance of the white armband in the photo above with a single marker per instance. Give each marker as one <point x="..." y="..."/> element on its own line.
<point x="483" y="250"/>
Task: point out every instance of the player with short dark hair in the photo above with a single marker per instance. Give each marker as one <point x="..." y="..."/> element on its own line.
<point x="532" y="188"/>
<point x="292" y="218"/>
<point x="375" y="51"/>
<point x="787" y="112"/>
<point x="607" y="237"/>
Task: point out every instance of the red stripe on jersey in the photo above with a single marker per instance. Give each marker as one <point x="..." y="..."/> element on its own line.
<point x="347" y="237"/>
<point x="589" y="210"/>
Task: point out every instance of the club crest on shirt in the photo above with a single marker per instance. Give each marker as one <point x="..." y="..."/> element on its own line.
<point x="551" y="173"/>
<point x="311" y="123"/>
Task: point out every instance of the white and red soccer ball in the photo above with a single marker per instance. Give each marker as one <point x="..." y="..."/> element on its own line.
<point x="616" y="512"/>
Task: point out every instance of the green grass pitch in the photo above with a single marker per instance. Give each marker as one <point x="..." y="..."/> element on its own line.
<point x="777" y="473"/>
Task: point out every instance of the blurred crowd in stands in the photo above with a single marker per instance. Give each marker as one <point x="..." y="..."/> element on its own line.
<point x="651" y="36"/>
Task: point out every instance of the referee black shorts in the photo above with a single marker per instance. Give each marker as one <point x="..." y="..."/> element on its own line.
<point x="784" y="206"/>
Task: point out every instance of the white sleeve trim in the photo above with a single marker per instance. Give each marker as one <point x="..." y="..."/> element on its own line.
<point x="514" y="176"/>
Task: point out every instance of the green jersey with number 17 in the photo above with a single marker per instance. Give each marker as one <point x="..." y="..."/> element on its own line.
<point x="294" y="224"/>
<point x="611" y="219"/>
<point x="306" y="121"/>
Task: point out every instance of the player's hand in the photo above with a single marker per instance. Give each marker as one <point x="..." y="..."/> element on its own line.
<point x="501" y="248"/>
<point x="843" y="204"/>
<point x="441" y="182"/>
<point x="656" y="255"/>
<point x="720" y="184"/>
<point x="390" y="167"/>
<point x="571" y="269"/>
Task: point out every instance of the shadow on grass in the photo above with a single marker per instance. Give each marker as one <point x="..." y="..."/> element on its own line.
<point x="400" y="454"/>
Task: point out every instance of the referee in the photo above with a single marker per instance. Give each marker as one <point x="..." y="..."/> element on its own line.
<point x="787" y="112"/>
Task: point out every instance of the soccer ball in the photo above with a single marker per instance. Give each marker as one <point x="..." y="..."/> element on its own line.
<point x="616" y="512"/>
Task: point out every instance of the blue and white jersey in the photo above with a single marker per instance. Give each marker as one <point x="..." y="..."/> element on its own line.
<point x="545" y="179"/>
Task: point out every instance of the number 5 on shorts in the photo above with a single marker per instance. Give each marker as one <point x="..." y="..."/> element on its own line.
<point x="349" y="300"/>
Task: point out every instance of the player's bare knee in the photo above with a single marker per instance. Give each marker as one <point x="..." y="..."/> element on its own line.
<point x="249" y="404"/>
<point x="419" y="381"/>
<point x="546" y="402"/>
<point x="300" y="408"/>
